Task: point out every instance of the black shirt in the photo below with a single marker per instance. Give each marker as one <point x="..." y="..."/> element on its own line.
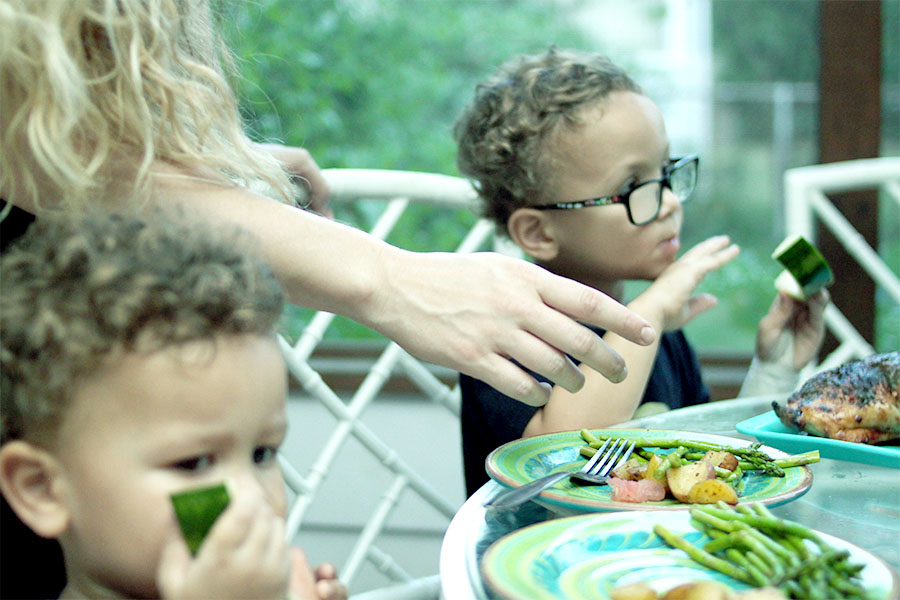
<point x="490" y="419"/>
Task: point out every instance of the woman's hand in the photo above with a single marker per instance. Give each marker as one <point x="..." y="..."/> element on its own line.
<point x="245" y="555"/>
<point x="474" y="312"/>
<point x="304" y="171"/>
<point x="803" y="322"/>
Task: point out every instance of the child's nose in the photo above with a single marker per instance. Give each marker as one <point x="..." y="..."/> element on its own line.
<point x="255" y="489"/>
<point x="669" y="205"/>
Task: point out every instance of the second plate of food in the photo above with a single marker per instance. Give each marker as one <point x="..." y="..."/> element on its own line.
<point x="585" y="557"/>
<point x="518" y="462"/>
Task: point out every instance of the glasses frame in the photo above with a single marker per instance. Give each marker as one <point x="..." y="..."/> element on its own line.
<point x="675" y="163"/>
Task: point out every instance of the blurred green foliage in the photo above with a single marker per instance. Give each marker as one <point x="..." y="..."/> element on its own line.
<point x="379" y="84"/>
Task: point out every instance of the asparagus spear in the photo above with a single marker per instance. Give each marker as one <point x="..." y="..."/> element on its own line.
<point x="751" y="545"/>
<point x="699" y="555"/>
<point x="752" y="456"/>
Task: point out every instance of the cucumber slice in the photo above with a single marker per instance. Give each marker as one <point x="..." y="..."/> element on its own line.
<point x="806" y="271"/>
<point x="197" y="510"/>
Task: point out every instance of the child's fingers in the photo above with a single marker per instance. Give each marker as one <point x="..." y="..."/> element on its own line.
<point x="264" y="546"/>
<point x="709" y="246"/>
<point x="331" y="589"/>
<point x="326" y="571"/>
<point x="707" y="256"/>
<point x="302" y="581"/>
<point x="818" y="301"/>
<point x="699" y="304"/>
<point x="174" y="562"/>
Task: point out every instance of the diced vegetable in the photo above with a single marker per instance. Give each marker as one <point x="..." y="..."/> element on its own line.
<point x="653" y="466"/>
<point x="712" y="491"/>
<point x="631" y="470"/>
<point x="197" y="510"/>
<point x="634" y="591"/>
<point x="682" y="479"/>
<point x="806" y="271"/>
<point x="722" y="459"/>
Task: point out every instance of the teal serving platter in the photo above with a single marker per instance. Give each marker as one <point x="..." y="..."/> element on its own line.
<point x="769" y="429"/>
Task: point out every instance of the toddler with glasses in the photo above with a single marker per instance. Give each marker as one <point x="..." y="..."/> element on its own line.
<point x="139" y="360"/>
<point x="572" y="162"/>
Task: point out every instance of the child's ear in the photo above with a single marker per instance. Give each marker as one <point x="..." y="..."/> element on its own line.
<point x="533" y="232"/>
<point x="31" y="482"/>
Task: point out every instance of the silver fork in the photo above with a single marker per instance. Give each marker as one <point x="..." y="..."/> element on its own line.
<point x="594" y="472"/>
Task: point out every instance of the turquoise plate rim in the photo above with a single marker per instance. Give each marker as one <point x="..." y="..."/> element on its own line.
<point x="563" y="502"/>
<point x="503" y="577"/>
<point x="769" y="429"/>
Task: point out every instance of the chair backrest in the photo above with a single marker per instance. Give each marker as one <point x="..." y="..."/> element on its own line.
<point x="806" y="199"/>
<point x="371" y="492"/>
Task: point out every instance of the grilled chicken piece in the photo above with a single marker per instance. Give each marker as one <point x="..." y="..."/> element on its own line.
<point x="856" y="402"/>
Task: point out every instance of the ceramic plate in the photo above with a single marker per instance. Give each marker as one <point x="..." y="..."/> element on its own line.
<point x="521" y="461"/>
<point x="769" y="429"/>
<point x="583" y="557"/>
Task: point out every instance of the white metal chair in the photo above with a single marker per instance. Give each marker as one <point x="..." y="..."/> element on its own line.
<point x="806" y="200"/>
<point x="396" y="191"/>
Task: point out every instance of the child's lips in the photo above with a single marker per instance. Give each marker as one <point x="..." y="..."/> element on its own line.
<point x="671" y="244"/>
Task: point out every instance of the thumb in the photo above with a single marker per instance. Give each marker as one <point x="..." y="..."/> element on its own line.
<point x="174" y="561"/>
<point x="699" y="304"/>
<point x="779" y="313"/>
<point x="302" y="584"/>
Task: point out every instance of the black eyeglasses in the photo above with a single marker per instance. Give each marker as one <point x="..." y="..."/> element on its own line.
<point x="643" y="200"/>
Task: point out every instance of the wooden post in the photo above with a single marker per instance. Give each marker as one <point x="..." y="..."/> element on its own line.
<point x="850" y="128"/>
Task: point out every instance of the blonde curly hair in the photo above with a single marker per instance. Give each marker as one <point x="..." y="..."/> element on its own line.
<point x="75" y="291"/>
<point x="502" y="135"/>
<point x="96" y="91"/>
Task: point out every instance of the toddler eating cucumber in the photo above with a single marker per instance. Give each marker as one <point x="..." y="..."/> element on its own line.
<point x="143" y="409"/>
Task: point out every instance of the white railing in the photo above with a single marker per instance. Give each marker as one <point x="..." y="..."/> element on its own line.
<point x="397" y="190"/>
<point x="806" y="200"/>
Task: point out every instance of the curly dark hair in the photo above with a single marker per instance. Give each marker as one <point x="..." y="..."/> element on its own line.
<point x="502" y="135"/>
<point x="76" y="290"/>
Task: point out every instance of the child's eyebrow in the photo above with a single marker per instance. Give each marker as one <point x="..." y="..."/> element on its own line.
<point x="276" y="427"/>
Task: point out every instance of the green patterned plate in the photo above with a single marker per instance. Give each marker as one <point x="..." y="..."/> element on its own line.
<point x="583" y="557"/>
<point x="521" y="461"/>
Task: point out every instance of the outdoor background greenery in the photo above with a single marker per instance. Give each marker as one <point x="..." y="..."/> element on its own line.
<point x="379" y="83"/>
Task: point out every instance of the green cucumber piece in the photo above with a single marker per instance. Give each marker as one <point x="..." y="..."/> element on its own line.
<point x="197" y="510"/>
<point x="806" y="270"/>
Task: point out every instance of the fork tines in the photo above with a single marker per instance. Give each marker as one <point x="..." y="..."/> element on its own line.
<point x="617" y="451"/>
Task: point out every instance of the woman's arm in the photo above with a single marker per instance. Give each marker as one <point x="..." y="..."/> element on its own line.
<point x="467" y="312"/>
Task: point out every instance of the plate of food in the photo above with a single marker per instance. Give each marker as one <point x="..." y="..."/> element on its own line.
<point x="521" y="461"/>
<point x="598" y="556"/>
<point x="851" y="412"/>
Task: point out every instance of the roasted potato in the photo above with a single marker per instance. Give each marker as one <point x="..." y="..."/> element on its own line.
<point x="652" y="465"/>
<point x="709" y="590"/>
<point x="682" y="479"/>
<point x="722" y="459"/>
<point x="711" y="491"/>
<point x="633" y="591"/>
<point x="764" y="593"/>
<point x="679" y="592"/>
<point x="632" y="470"/>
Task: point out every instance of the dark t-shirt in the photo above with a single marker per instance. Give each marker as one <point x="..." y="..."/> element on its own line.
<point x="490" y="419"/>
<point x="30" y="566"/>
